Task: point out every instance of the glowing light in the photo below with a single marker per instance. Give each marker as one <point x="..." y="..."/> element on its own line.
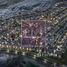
<point x="33" y="37"/>
<point x="20" y="47"/>
<point x="20" y="36"/>
<point x="12" y="31"/>
<point x="30" y="49"/>
<point x="45" y="60"/>
<point x="16" y="51"/>
<point x="37" y="50"/>
<point x="0" y="45"/>
<point x="55" y="55"/>
<point x="8" y="51"/>
<point x="66" y="33"/>
<point x="27" y="49"/>
<point x="64" y="37"/>
<point x="51" y="54"/>
<point x="40" y="50"/>
<point x="23" y="48"/>
<point x="7" y="34"/>
<point x="41" y="33"/>
<point x="39" y="54"/>
<point x="13" y="46"/>
<point x="56" y="5"/>
<point x="25" y="31"/>
<point x="23" y="53"/>
<point x="51" y="18"/>
<point x="7" y="46"/>
<point x="42" y="16"/>
<point x="30" y="24"/>
<point x="40" y="43"/>
<point x="48" y="28"/>
<point x="56" y="22"/>
<point x="34" y="56"/>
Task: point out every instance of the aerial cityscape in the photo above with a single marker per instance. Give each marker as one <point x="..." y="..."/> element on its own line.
<point x="33" y="33"/>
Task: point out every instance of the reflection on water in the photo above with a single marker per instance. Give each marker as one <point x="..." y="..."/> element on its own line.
<point x="21" y="61"/>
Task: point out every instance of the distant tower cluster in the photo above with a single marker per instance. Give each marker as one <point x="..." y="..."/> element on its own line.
<point x="33" y="33"/>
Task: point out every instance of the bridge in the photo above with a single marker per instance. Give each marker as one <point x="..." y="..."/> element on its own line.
<point x="11" y="49"/>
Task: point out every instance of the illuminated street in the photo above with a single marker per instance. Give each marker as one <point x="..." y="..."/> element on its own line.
<point x="35" y="31"/>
